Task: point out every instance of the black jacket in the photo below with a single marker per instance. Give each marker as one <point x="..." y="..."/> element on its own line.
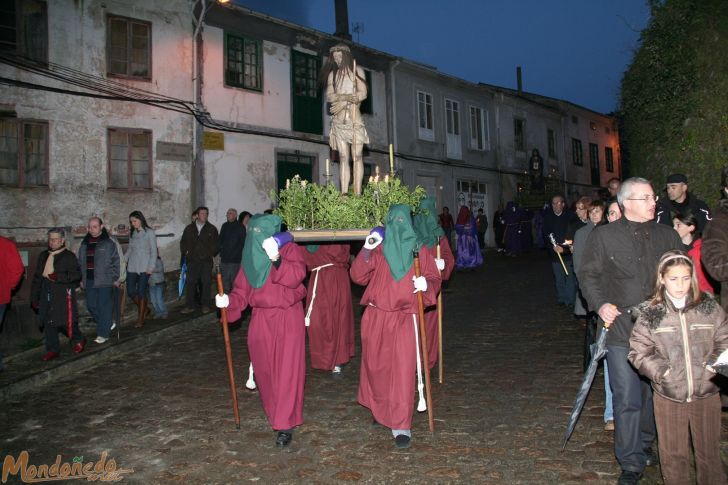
<point x="667" y="209"/>
<point x="559" y="226"/>
<point x="619" y="266"/>
<point x="51" y="296"/>
<point x="232" y="238"/>
<point x="199" y="248"/>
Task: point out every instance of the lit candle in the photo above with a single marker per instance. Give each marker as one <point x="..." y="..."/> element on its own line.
<point x="327" y="167"/>
<point x="391" y="158"/>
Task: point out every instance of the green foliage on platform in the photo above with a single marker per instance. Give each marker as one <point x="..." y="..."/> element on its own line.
<point x="674" y="99"/>
<point x="304" y="205"/>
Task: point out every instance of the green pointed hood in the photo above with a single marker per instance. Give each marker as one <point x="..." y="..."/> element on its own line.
<point x="256" y="263"/>
<point x="425" y="223"/>
<point x="400" y="240"/>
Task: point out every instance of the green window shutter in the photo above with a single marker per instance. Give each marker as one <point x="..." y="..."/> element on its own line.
<point x="366" y="105"/>
<point x="307" y="97"/>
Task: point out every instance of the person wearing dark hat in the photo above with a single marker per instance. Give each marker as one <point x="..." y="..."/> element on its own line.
<point x="680" y="201"/>
<point x="271" y="283"/>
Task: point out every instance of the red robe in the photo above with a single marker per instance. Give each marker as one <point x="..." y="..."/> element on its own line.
<point x="388" y="354"/>
<point x="276" y="336"/>
<point x="433" y="338"/>
<point x="331" y="328"/>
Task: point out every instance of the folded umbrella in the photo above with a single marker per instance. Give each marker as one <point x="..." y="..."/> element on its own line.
<point x="599" y="352"/>
<point x="182" y="279"/>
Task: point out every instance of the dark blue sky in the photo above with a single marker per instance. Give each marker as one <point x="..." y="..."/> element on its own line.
<point x="570" y="49"/>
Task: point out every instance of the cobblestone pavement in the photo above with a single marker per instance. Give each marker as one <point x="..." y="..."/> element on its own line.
<point x="512" y="368"/>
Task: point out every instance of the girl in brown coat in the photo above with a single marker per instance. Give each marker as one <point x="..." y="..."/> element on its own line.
<point x="679" y="332"/>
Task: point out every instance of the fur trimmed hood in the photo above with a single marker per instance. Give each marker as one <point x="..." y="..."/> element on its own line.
<point x="652" y="315"/>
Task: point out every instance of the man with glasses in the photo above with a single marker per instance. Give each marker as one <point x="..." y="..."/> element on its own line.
<point x="680" y="201"/>
<point x="619" y="274"/>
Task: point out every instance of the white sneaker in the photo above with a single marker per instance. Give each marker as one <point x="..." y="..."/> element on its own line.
<point x="100" y="340"/>
<point x="337" y="369"/>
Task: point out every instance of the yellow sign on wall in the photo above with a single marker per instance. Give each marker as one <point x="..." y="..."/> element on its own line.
<point x="213" y="140"/>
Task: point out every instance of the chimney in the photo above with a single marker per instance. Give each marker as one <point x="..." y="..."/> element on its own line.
<point x="341" y="8"/>
<point x="519" y="81"/>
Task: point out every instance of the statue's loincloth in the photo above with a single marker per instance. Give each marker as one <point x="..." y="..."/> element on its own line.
<point x="347" y="133"/>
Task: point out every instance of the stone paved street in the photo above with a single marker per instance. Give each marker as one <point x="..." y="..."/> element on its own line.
<point x="513" y="363"/>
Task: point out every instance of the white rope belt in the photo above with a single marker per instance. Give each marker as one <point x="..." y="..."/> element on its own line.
<point x="422" y="405"/>
<point x="313" y="293"/>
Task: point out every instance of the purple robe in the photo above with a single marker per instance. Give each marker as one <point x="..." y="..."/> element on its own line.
<point x="518" y="229"/>
<point x="469" y="255"/>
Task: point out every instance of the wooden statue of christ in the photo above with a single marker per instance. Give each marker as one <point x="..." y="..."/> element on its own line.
<point x="346" y="88"/>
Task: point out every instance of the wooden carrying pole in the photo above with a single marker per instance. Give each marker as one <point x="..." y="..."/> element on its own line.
<point x="439" y="330"/>
<point x="228" y="353"/>
<point x="423" y="345"/>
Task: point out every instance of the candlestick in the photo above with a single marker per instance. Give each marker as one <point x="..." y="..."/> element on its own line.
<point x="376" y="170"/>
<point x="327" y="167"/>
<point x="391" y="159"/>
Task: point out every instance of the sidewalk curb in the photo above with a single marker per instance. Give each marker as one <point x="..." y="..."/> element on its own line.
<point x="90" y="359"/>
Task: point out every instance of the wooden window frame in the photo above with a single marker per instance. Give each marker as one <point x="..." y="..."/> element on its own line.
<point x="367" y="106"/>
<point x="129" y="171"/>
<point x="127" y="75"/>
<point x="551" y="143"/>
<point x="609" y="159"/>
<point x="259" y="62"/>
<point x="519" y="142"/>
<point x="577" y="152"/>
<point x="19" y="46"/>
<point x="21" y="154"/>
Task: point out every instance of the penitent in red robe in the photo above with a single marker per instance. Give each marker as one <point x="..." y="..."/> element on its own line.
<point x="388" y="355"/>
<point x="433" y="339"/>
<point x="276" y="336"/>
<point x="331" y="328"/>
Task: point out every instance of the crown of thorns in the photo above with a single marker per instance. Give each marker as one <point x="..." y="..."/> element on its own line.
<point x="340" y="48"/>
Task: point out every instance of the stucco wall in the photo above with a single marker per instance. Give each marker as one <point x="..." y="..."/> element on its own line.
<point x="78" y="125"/>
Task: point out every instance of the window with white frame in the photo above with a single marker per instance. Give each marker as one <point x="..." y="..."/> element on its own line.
<point x="452" y="117"/>
<point x="479" y="137"/>
<point x="425" y="129"/>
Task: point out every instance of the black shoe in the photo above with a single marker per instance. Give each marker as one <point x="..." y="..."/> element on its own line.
<point x="402" y="441"/>
<point x="629" y="478"/>
<point x="284" y="437"/>
<point x="651" y="457"/>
